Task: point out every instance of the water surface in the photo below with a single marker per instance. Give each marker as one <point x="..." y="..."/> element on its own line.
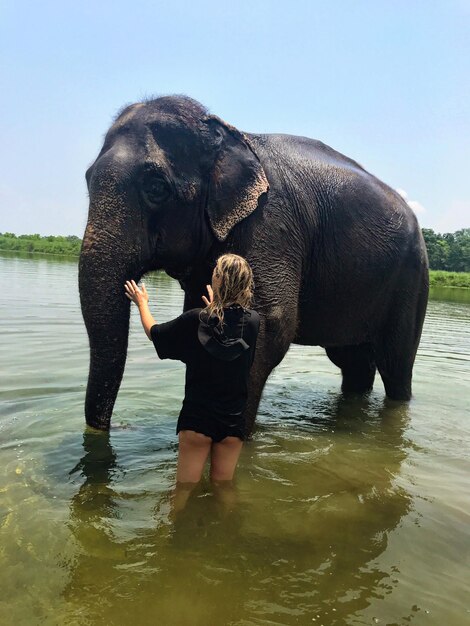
<point x="346" y="511"/>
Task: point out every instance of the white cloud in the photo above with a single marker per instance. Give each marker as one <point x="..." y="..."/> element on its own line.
<point x="416" y="206"/>
<point x="413" y="204"/>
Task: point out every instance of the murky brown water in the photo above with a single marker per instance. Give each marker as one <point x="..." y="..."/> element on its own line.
<point x="346" y="511"/>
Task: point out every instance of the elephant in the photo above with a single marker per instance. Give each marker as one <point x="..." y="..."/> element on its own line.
<point x="338" y="257"/>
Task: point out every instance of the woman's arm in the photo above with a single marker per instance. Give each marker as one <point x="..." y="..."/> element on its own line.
<point x="141" y="299"/>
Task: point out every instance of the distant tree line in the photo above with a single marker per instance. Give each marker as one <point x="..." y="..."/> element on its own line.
<point x="51" y="244"/>
<point x="449" y="252"/>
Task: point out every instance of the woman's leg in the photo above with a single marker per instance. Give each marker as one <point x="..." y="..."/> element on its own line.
<point x="193" y="451"/>
<point x="226" y="494"/>
<point x="192" y="455"/>
<point x="224" y="457"/>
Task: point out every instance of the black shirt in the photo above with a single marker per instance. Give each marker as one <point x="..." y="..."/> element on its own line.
<point x="217" y="361"/>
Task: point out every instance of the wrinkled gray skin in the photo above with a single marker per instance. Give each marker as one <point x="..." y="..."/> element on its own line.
<point x="337" y="255"/>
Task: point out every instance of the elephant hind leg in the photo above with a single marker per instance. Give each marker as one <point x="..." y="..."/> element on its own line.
<point x="396" y="347"/>
<point x="395" y="364"/>
<point x="357" y="365"/>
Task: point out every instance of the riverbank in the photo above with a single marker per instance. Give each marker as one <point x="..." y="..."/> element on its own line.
<point x="439" y="278"/>
<point x="70" y="247"/>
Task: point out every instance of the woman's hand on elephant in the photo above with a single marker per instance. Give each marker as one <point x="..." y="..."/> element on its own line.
<point x="211" y="296"/>
<point x="135" y="294"/>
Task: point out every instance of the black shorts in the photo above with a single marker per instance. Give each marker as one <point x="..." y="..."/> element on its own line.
<point x="212" y="427"/>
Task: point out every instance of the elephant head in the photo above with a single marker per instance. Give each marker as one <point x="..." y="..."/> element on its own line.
<point x="168" y="183"/>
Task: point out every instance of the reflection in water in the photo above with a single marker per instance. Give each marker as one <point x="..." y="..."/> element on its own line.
<point x="450" y="294"/>
<point x="353" y="505"/>
<point x="98" y="466"/>
<point x="291" y="550"/>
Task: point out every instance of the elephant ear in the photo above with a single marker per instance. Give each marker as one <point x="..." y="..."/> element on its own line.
<point x="237" y="179"/>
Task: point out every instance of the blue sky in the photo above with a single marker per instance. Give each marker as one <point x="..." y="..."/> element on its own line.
<point x="385" y="82"/>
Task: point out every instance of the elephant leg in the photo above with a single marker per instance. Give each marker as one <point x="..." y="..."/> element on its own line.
<point x="273" y="342"/>
<point x="395" y="365"/>
<point x="357" y="365"/>
<point x="258" y="377"/>
<point x="396" y="347"/>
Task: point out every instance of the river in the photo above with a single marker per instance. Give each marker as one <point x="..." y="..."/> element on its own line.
<point x="346" y="511"/>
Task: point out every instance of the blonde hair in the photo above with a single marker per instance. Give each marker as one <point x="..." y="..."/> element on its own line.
<point x="235" y="285"/>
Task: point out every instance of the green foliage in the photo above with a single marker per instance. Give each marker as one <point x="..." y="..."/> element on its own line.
<point x="69" y="245"/>
<point x="449" y="252"/>
<point x="438" y="278"/>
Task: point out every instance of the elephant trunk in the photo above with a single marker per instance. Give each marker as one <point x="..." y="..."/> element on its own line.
<point x="106" y="312"/>
<point x="114" y="249"/>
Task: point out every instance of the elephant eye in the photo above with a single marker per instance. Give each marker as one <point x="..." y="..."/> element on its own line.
<point x="155" y="190"/>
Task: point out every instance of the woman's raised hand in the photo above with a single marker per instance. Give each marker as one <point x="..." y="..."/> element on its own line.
<point x="211" y="296"/>
<point x="135" y="294"/>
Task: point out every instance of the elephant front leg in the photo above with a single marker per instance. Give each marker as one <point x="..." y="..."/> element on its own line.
<point x="272" y="344"/>
<point x="258" y="378"/>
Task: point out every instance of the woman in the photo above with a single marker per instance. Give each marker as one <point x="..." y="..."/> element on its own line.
<point x="217" y="343"/>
